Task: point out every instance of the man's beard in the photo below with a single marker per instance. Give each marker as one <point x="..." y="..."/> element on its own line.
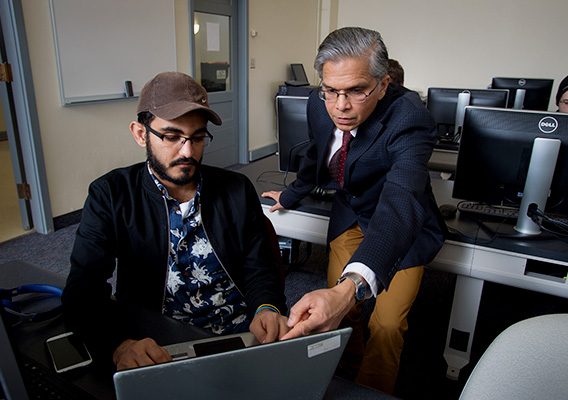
<point x="162" y="171"/>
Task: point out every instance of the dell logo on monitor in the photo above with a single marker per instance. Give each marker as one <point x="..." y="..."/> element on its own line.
<point x="548" y="124"/>
<point x="522" y="82"/>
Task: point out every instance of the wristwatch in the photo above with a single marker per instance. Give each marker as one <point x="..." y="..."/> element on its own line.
<point x="360" y="286"/>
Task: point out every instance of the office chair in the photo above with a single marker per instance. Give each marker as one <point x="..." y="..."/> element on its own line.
<point x="528" y="360"/>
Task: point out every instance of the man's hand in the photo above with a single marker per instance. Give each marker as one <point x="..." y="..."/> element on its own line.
<point x="269" y="326"/>
<point x="275" y="196"/>
<point x="321" y="310"/>
<point x="138" y="353"/>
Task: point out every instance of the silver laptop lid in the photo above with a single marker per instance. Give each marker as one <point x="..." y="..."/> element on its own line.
<point x="298" y="368"/>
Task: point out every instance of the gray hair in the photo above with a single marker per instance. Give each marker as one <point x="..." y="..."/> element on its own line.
<point x="356" y="43"/>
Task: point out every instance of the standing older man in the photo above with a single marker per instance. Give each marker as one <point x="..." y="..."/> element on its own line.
<point x="370" y="141"/>
<point x="187" y="240"/>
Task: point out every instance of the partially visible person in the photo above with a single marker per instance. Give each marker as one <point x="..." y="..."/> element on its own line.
<point x="562" y="96"/>
<point x="396" y="72"/>
<point x="187" y="240"/>
<point x="370" y="141"/>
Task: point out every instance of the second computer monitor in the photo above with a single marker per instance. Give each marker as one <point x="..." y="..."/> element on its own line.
<point x="292" y="129"/>
<point x="514" y="158"/>
<point x="536" y="94"/>
<point x="443" y="105"/>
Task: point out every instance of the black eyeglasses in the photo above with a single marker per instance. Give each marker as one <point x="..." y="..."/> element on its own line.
<point x="353" y="96"/>
<point x="173" y="140"/>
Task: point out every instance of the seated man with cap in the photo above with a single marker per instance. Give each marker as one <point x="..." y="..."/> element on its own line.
<point x="187" y="240"/>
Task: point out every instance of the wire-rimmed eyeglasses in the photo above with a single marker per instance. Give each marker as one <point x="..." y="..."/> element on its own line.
<point x="173" y="140"/>
<point x="353" y="96"/>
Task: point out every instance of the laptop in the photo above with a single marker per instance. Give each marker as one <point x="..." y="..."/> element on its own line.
<point x="23" y="378"/>
<point x="212" y="345"/>
<point x="300" y="78"/>
<point x="299" y="368"/>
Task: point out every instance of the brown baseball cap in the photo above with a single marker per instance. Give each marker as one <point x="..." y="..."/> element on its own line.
<point x="170" y="95"/>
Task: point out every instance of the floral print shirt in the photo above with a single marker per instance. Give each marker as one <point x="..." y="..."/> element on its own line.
<point x="198" y="289"/>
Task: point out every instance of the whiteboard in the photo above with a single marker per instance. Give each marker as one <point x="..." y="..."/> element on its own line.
<point x="100" y="44"/>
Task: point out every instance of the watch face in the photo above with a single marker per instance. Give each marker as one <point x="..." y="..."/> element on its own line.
<point x="360" y="294"/>
<point x="360" y="289"/>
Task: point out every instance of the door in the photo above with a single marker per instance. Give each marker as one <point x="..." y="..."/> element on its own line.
<point x="16" y="213"/>
<point x="215" y="64"/>
<point x="23" y="128"/>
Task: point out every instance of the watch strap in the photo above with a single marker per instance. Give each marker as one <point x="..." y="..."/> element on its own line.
<point x="360" y="287"/>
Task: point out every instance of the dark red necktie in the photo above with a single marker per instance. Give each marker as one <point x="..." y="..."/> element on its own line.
<point x="337" y="162"/>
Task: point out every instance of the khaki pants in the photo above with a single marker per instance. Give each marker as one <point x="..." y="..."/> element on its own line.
<point x="376" y="364"/>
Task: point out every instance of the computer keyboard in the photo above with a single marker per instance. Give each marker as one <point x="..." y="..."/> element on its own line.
<point x="501" y="213"/>
<point x="485" y="210"/>
<point x="42" y="383"/>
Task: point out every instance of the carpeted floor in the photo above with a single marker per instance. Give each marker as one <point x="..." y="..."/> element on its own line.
<point x="47" y="251"/>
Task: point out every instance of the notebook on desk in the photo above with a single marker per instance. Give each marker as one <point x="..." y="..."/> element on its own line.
<point x="23" y="378"/>
<point x="292" y="369"/>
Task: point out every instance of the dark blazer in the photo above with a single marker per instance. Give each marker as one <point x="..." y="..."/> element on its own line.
<point x="387" y="183"/>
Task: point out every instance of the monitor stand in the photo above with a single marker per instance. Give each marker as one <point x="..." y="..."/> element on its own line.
<point x="519" y="99"/>
<point x="537" y="185"/>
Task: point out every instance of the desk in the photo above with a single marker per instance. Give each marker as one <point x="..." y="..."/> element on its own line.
<point x="443" y="160"/>
<point x="471" y="255"/>
<point x="98" y="381"/>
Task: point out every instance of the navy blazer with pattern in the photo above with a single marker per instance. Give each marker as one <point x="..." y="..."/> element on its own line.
<point x="387" y="183"/>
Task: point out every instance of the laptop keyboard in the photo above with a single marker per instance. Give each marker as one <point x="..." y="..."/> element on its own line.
<point x="41" y="383"/>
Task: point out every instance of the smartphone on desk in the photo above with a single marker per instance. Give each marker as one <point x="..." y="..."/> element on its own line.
<point x="67" y="352"/>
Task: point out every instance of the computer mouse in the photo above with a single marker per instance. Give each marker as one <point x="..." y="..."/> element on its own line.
<point x="448" y="210"/>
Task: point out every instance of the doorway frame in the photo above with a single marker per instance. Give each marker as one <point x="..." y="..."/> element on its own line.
<point x="17" y="54"/>
<point x="242" y="75"/>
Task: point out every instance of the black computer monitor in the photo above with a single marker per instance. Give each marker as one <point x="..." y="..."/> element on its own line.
<point x="292" y="129"/>
<point x="447" y="104"/>
<point x="537" y="92"/>
<point x="507" y="157"/>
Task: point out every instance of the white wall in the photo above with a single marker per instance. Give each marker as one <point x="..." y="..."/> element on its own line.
<point x="82" y="142"/>
<point x="437" y="42"/>
<point x="287" y="32"/>
<point x="464" y="43"/>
